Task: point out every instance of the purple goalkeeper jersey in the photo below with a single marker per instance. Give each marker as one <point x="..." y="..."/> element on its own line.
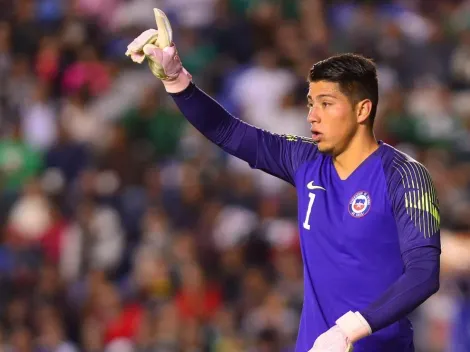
<point x="353" y="235"/>
<point x="369" y="243"/>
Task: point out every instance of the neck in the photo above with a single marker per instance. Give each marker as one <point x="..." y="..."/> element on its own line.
<point x="359" y="149"/>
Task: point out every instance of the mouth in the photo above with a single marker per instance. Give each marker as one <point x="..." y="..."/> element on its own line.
<point x="316" y="136"/>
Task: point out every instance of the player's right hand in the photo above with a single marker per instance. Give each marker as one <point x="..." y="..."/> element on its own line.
<point x="156" y="45"/>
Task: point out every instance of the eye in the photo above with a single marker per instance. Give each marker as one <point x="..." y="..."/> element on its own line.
<point x="325" y="104"/>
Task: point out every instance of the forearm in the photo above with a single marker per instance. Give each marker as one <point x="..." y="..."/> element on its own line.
<point x="216" y="124"/>
<point x="419" y="281"/>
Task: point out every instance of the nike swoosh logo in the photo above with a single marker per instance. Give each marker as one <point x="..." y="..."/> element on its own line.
<point x="311" y="185"/>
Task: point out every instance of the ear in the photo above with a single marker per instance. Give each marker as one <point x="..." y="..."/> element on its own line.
<point x="363" y="109"/>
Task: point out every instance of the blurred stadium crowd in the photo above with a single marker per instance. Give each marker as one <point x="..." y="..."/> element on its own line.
<point x="124" y="230"/>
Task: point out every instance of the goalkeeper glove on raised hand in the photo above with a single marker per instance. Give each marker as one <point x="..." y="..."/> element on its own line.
<point x="156" y="45"/>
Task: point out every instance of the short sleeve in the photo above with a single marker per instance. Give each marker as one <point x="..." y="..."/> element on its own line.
<point x="415" y="205"/>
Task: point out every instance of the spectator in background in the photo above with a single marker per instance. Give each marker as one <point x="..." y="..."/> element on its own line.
<point x="5" y="64"/>
<point x="117" y="319"/>
<point x="67" y="157"/>
<point x="19" y="87"/>
<point x="401" y="127"/>
<point x="152" y="127"/>
<point x="198" y="298"/>
<point x="39" y="120"/>
<point x="255" y="101"/>
<point x="91" y="336"/>
<point x="94" y="241"/>
<point x="51" y="338"/>
<point x="152" y="279"/>
<point x="80" y="124"/>
<point x="100" y="11"/>
<point x="47" y="64"/>
<point x="21" y="340"/>
<point x="460" y="62"/>
<point x="125" y="230"/>
<point x="88" y="72"/>
<point x="26" y="31"/>
<point x="267" y="340"/>
<point x="168" y="327"/>
<point x="125" y="161"/>
<point x="19" y="163"/>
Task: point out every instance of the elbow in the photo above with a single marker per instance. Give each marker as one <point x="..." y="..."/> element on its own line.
<point x="435" y="278"/>
<point x="424" y="269"/>
<point x="435" y="285"/>
<point x="431" y="285"/>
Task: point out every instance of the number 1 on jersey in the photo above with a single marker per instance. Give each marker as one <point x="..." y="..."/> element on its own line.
<point x="309" y="210"/>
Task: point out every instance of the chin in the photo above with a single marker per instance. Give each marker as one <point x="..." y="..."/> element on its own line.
<point x="324" y="148"/>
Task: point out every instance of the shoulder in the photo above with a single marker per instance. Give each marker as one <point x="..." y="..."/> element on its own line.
<point x="409" y="183"/>
<point x="400" y="167"/>
<point x="296" y="139"/>
<point x="411" y="191"/>
<point x="303" y="149"/>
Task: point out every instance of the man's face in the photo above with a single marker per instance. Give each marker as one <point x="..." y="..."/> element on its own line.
<point x="331" y="116"/>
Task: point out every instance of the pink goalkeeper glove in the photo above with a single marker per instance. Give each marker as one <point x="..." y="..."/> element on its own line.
<point x="334" y="340"/>
<point x="349" y="328"/>
<point x="158" y="48"/>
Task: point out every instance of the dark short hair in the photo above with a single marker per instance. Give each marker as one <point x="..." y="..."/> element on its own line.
<point x="355" y="74"/>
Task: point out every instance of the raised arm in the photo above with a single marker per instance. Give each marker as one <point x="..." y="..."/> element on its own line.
<point x="278" y="155"/>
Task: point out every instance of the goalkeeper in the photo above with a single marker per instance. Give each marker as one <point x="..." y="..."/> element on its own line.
<point x="368" y="213"/>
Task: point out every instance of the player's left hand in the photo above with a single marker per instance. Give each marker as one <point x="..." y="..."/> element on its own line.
<point x="334" y="340"/>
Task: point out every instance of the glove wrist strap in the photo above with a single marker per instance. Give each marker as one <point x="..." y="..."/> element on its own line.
<point x="354" y="326"/>
<point x="180" y="83"/>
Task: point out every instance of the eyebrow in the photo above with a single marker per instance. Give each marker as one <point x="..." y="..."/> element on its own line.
<point x="321" y="96"/>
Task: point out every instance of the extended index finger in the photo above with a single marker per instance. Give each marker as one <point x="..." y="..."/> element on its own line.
<point x="165" y="33"/>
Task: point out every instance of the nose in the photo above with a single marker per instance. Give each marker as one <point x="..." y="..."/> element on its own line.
<point x="313" y="115"/>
